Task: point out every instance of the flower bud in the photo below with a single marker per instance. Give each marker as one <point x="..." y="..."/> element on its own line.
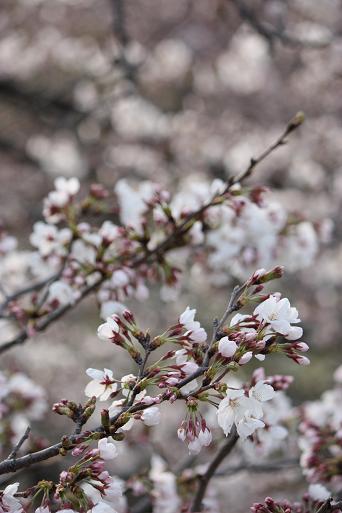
<point x="227" y="348"/>
<point x="105" y="420"/>
<point x="245" y="358"/>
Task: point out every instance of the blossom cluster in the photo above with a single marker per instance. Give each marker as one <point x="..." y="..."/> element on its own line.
<point x="320" y="439"/>
<point x="269" y="329"/>
<point x="147" y="237"/>
<point x="21" y="402"/>
<point x="85" y="487"/>
<point x="315" y="499"/>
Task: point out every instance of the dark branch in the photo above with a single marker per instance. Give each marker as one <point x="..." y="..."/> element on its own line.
<point x="204" y="480"/>
<point x="272" y="34"/>
<point x="22" y="440"/>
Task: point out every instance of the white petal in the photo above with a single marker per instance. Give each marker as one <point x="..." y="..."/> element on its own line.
<point x="295" y="333"/>
<point x="262" y="391"/>
<point x="318" y="492"/>
<point x="227" y="348"/>
<point x="94" y="388"/>
<point x="95" y="374"/>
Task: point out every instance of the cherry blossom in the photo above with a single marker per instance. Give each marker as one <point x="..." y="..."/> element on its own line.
<point x="318" y="492"/>
<point x="245" y="412"/>
<point x="107" y="330"/>
<point x="227" y="348"/>
<point x="151" y="416"/>
<point x="102" y="384"/>
<point x="107" y="449"/>
<point x="8" y="501"/>
<point x="62" y="293"/>
<point x="48" y="239"/>
<point x="279" y="314"/>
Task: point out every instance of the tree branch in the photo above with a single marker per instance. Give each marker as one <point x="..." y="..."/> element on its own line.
<point x="272" y="34"/>
<point x="169" y="243"/>
<point x="204" y="480"/>
<point x="13" y="454"/>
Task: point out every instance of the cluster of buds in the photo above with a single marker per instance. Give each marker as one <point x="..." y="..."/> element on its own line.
<point x="266" y="331"/>
<point x="194" y="430"/>
<point x="76" y="412"/>
<point x="59" y="202"/>
<point x="277" y="381"/>
<point x="123" y="331"/>
<point x="318" y="498"/>
<point x="85" y="486"/>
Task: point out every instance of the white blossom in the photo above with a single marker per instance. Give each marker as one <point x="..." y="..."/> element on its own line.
<point x="227" y="348"/>
<point x="107" y="449"/>
<point x="69" y="186"/>
<point x="187" y="317"/>
<point x="102" y="384"/>
<point x="245" y="412"/>
<point x="48" y="239"/>
<point x="107" y="330"/>
<point x="318" y="492"/>
<point x="61" y="292"/>
<point x="10" y="503"/>
<point x="279" y="315"/>
<point x="151" y="416"/>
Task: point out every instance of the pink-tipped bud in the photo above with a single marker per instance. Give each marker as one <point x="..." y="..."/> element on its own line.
<point x="301" y="346"/>
<point x="302" y="360"/>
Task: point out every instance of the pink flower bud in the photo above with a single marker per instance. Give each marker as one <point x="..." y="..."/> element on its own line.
<point x="302" y="360"/>
<point x="301" y="346"/>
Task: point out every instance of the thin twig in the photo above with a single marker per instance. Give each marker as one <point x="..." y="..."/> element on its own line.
<point x="169" y="243"/>
<point x="119" y="21"/>
<point x="232" y="307"/>
<point x="271" y="34"/>
<point x="271" y="466"/>
<point x="13" y="454"/>
<point x="30" y="288"/>
<point x="295" y="122"/>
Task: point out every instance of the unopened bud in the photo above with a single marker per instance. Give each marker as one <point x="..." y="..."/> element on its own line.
<point x="295" y="122"/>
<point x="97" y="191"/>
<point x="105" y="420"/>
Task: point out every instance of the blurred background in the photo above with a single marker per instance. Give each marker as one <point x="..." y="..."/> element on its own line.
<point x="173" y="90"/>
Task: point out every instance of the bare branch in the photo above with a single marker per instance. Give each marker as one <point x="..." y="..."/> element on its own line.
<point x="271" y="34"/>
<point x="204" y="480"/>
<point x="119" y="21"/>
<point x="13" y="454"/>
<point x="272" y="466"/>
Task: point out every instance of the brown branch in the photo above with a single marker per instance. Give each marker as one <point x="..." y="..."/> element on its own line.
<point x="204" y="479"/>
<point x="27" y="290"/>
<point x="272" y="466"/>
<point x="180" y="231"/>
<point x="119" y="21"/>
<point x="13" y="454"/>
<point x="294" y="123"/>
<point x="272" y="34"/>
<point x="14" y="464"/>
